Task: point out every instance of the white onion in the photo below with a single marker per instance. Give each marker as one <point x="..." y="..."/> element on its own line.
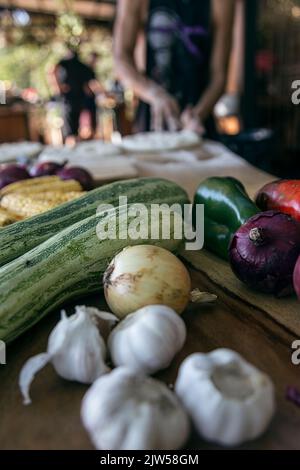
<point x="146" y="275"/>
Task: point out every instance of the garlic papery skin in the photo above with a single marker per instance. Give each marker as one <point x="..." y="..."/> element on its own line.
<point x="146" y="275"/>
<point x="229" y="400"/>
<point x="126" y="411"/>
<point x="76" y="349"/>
<point x="147" y="340"/>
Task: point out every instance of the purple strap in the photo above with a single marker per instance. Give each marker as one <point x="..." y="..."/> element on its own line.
<point x="185" y="33"/>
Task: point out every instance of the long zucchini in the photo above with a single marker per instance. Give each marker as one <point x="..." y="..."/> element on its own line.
<point x="17" y="239"/>
<point x="67" y="266"/>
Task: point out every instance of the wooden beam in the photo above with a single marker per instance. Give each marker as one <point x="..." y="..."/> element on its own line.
<point x="85" y="8"/>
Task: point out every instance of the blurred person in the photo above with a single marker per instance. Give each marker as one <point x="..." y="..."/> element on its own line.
<point x="73" y="80"/>
<point x="91" y="90"/>
<point x="186" y="48"/>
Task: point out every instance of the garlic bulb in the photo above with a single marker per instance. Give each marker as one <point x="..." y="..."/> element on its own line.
<point x="148" y="339"/>
<point x="125" y="411"/>
<point x="76" y="349"/>
<point x="229" y="400"/>
<point x="146" y="275"/>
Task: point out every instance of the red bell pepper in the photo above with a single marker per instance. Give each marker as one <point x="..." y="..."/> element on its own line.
<point x="282" y="195"/>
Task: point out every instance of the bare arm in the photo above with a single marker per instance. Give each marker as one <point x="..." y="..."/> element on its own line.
<point x="128" y="24"/>
<point x="96" y="87"/>
<point x="129" y="21"/>
<point x="53" y="79"/>
<point x="223" y="16"/>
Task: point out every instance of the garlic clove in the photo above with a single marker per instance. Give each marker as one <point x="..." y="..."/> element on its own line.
<point x="126" y="411"/>
<point x="76" y="349"/>
<point x="229" y="400"/>
<point x="82" y="358"/>
<point x="148" y="339"/>
<point x="28" y="372"/>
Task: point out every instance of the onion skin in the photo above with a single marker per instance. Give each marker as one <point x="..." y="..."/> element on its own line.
<point x="296" y="278"/>
<point x="264" y="251"/>
<point x="45" y="169"/>
<point x="12" y="174"/>
<point x="145" y="275"/>
<point x="79" y="174"/>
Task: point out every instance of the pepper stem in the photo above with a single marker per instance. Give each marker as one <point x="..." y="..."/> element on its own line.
<point x="256" y="236"/>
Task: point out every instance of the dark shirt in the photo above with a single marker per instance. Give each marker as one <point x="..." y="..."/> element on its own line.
<point x="76" y="75"/>
<point x="179" y="46"/>
<point x="179" y="39"/>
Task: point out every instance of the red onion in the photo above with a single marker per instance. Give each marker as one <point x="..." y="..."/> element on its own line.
<point x="45" y="169"/>
<point x="79" y="174"/>
<point x="293" y="395"/>
<point x="264" y="251"/>
<point x="296" y="278"/>
<point x="11" y="174"/>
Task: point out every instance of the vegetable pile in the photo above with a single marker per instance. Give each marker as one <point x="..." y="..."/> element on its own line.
<point x="69" y="259"/>
<point x="228" y="400"/>
<point x="263" y="247"/>
<point x="147" y="288"/>
<point x="26" y="193"/>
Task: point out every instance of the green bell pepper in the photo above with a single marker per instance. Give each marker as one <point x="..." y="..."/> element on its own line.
<point x="227" y="206"/>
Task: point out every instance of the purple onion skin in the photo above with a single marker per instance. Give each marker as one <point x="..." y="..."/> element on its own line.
<point x="79" y="174"/>
<point x="45" y="169"/>
<point x="264" y="251"/>
<point x="296" y="278"/>
<point x="11" y="174"/>
<point x="293" y="395"/>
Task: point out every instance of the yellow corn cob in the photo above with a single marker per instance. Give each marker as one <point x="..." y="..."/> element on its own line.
<point x="32" y="182"/>
<point x="57" y="196"/>
<point x="43" y="184"/>
<point x="59" y="186"/>
<point x="27" y="206"/>
<point x="7" y="218"/>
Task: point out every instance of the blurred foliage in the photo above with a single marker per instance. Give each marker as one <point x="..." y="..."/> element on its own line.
<point x="70" y="28"/>
<point x="277" y="17"/>
<point x="282" y="10"/>
<point x="28" y="52"/>
<point x="27" y="65"/>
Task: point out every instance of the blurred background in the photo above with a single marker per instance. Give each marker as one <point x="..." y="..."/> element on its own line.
<point x="256" y="117"/>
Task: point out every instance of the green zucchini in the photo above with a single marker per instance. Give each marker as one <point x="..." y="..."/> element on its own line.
<point x="67" y="266"/>
<point x="18" y="238"/>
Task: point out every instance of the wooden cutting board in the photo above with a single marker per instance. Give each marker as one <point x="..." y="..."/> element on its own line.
<point x="53" y="419"/>
<point x="283" y="311"/>
<point x="261" y="328"/>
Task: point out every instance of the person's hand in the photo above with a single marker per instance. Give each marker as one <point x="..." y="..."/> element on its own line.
<point x="106" y="100"/>
<point x="165" y="112"/>
<point x="191" y="121"/>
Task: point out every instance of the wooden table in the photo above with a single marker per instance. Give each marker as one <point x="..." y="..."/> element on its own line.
<point x="53" y="422"/>
<point x="259" y="327"/>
